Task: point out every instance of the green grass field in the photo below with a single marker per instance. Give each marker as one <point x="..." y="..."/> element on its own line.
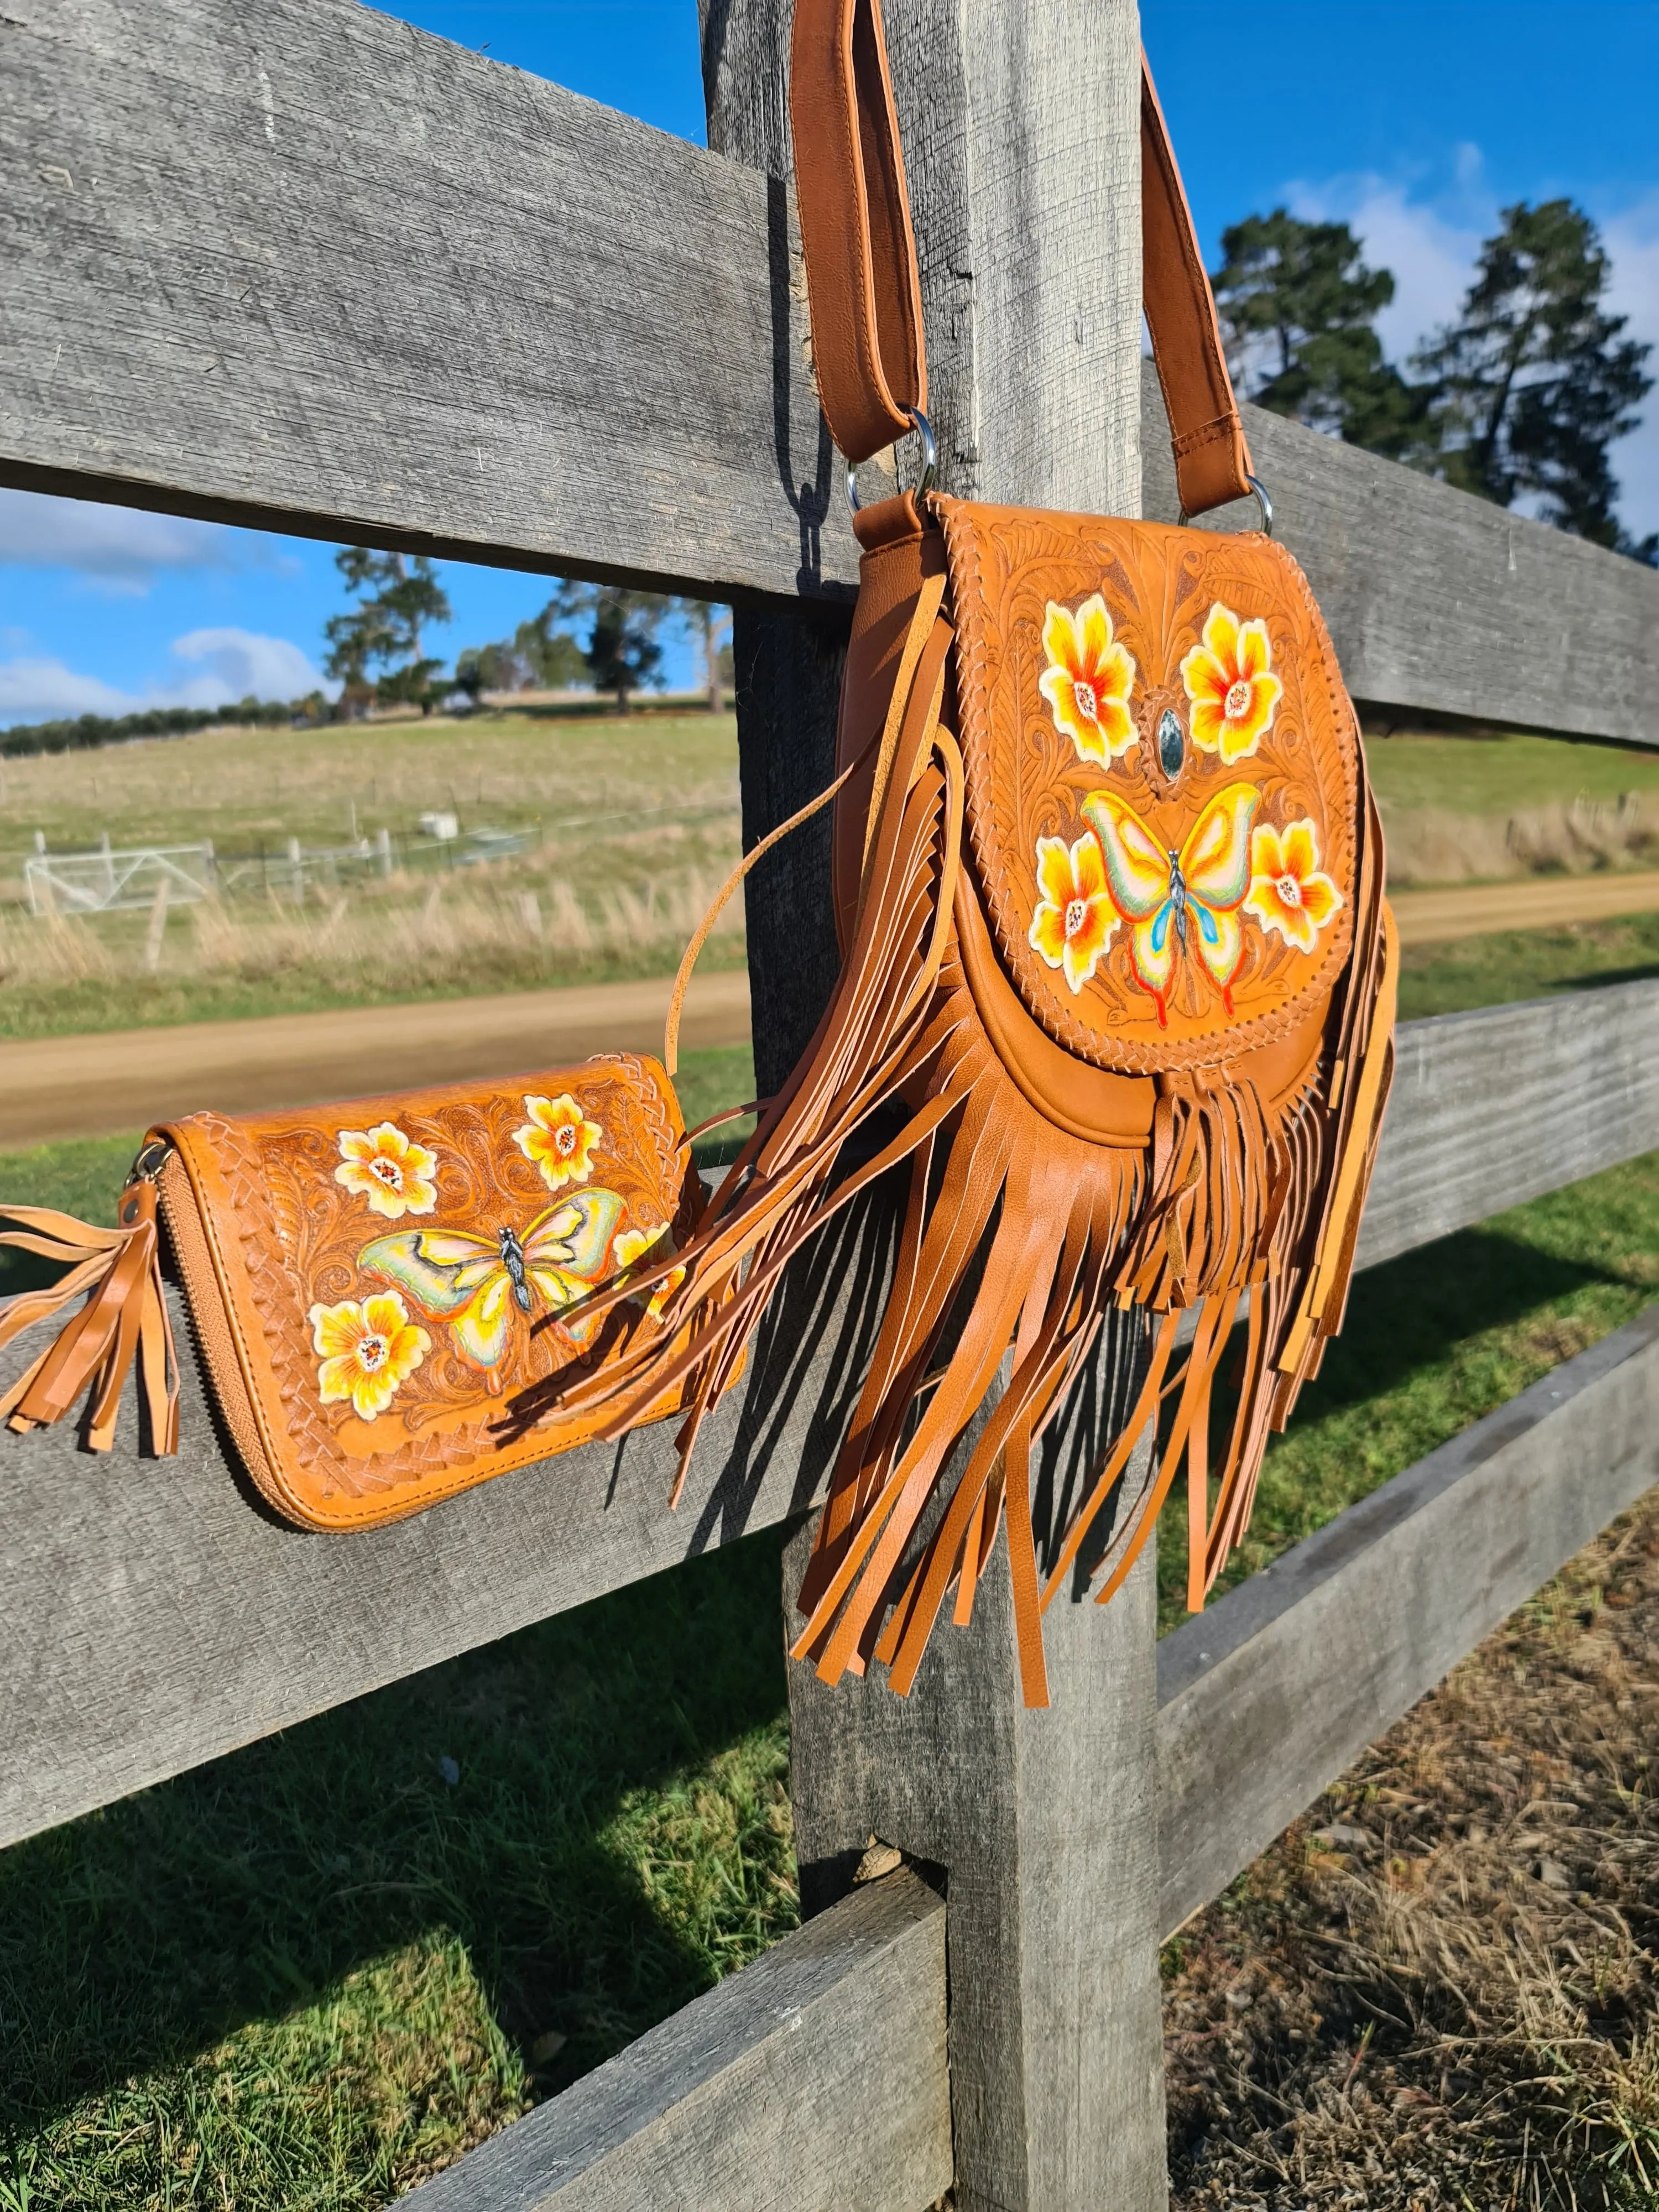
<point x="308" y="1974"/>
<point x="1502" y="776"/>
<point x="1526" y="963"/>
<point x="312" y="1972"/>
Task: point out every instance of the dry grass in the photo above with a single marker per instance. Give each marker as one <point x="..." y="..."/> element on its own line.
<point x="380" y="932"/>
<point x="630" y="825"/>
<point x="1438" y="1989"/>
<point x="1574" y="836"/>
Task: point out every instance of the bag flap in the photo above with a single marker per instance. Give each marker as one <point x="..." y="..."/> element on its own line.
<point x="1164" y="780"/>
<point x="396" y="1270"/>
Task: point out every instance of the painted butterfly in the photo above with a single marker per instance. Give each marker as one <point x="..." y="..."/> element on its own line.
<point x="1180" y="905"/>
<point x="479" y="1284"/>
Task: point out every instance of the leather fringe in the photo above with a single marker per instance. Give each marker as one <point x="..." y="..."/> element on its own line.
<point x="123" y="1323"/>
<point x="1018" y="1241"/>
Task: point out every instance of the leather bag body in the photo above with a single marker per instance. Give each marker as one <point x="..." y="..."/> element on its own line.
<point x="1117" y="983"/>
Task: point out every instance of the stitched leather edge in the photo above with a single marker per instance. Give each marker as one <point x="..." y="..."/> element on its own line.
<point x="964" y="535"/>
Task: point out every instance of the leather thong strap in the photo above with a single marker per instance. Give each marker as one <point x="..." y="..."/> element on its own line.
<point x="861" y="261"/>
<point x="855" y="225"/>
<point x="1212" y="462"/>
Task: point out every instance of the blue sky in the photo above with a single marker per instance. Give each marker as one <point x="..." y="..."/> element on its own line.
<point x="1414" y="122"/>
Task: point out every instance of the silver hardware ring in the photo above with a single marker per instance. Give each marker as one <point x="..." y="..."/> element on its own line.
<point x="924" y="430"/>
<point x="1259" y="490"/>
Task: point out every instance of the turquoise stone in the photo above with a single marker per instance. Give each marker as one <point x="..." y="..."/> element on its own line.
<point x="1171" y="743"/>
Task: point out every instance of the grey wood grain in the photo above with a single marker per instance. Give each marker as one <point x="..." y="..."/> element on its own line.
<point x="152" y="1616"/>
<point x="301" y="266"/>
<point x="1267" y="1696"/>
<point x="1046" y="1823"/>
<point x="1493" y="1107"/>
<point x="813" y="2081"/>
<point x="307" y="268"/>
<point x="1020" y="129"/>
<point x="786" y="656"/>
<point x="1437" y="600"/>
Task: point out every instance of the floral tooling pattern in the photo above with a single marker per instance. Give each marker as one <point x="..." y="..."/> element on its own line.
<point x="641" y="1250"/>
<point x="1088" y="681"/>
<point x="560" y="1138"/>
<point x="382" y="1165"/>
<point x="1185" y="906"/>
<point x="1074" y="919"/>
<point x="368" y="1349"/>
<point x="1288" y="892"/>
<point x="1231" y="686"/>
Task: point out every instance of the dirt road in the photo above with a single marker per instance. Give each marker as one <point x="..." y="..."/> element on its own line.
<point x="1531" y="902"/>
<point x="92" y="1086"/>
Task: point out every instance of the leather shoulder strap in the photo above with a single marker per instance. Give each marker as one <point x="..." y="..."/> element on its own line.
<point x="1212" y="462"/>
<point x="861" y="261"/>
<point x="855" y="225"/>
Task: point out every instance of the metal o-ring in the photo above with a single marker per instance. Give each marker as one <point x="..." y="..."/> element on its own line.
<point x="1261" y="500"/>
<point x="924" y="430"/>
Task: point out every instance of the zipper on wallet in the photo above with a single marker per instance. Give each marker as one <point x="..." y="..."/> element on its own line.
<point x="205" y="1298"/>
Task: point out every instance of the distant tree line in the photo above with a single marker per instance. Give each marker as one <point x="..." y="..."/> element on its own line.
<point x="1519" y="399"/>
<point x="86" y="730"/>
<point x="588" y="635"/>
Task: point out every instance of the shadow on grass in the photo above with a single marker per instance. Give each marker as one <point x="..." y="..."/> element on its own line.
<point x="1647" y="972"/>
<point x="1403" y="1316"/>
<point x="139" y="1937"/>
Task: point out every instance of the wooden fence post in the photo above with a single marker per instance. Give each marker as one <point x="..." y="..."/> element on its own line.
<point x="786" y="660"/>
<point x="1021" y="136"/>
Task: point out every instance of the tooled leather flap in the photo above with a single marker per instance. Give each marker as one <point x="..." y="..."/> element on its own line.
<point x="396" y="1270"/>
<point x="1163" y="779"/>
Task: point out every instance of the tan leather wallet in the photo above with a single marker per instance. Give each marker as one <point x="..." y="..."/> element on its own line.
<point x="386" y="1292"/>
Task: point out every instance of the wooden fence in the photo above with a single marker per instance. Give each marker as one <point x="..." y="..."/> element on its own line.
<point x="290" y="262"/>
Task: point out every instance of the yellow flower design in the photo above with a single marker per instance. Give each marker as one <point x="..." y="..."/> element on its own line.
<point x="1230" y="683"/>
<point x="384" y="1166"/>
<point x="1075" y="919"/>
<point x="1088" y="680"/>
<point x="368" y="1351"/>
<point x="650" y="1245"/>
<point x="559" y="1138"/>
<point x="1287" y="891"/>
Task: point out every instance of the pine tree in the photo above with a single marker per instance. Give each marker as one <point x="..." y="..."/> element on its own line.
<point x="401" y="596"/>
<point x="1298" y="305"/>
<point x="623" y="653"/>
<point x="1535" y="380"/>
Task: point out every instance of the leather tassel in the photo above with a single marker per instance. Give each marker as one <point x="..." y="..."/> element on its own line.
<point x="123" y="1323"/>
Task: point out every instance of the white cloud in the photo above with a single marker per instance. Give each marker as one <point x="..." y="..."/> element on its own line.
<point x="1431" y="245"/>
<point x="238" y="662"/>
<point x="1431" y="250"/>
<point x="117" y="549"/>
<point x="233" y="664"/>
<point x="1632" y="242"/>
<point x="36" y="689"/>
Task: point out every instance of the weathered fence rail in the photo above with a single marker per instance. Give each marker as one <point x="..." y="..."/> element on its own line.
<point x="304" y="267"/>
<point x="297" y="266"/>
<point x="153" y="1616"/>
<point x="759" y="2093"/>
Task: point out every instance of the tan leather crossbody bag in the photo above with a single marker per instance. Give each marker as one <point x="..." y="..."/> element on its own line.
<point x="1109" y="882"/>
